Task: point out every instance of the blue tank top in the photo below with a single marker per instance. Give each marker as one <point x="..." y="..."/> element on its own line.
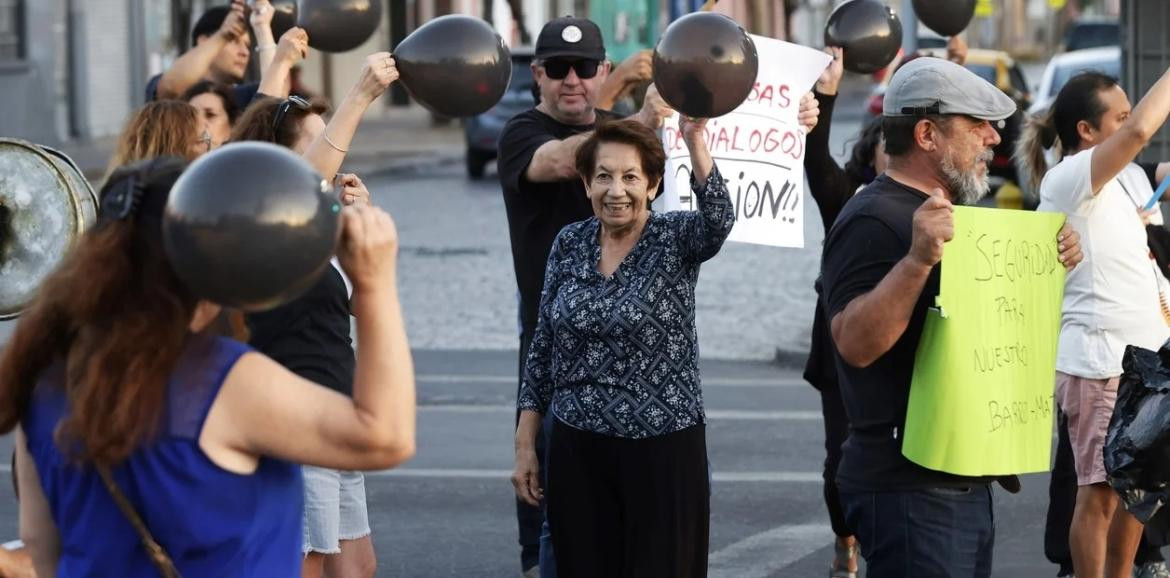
<point x="211" y="522"/>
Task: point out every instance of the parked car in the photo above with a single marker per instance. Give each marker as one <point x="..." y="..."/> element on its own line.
<point x="930" y="40"/>
<point x="927" y="39"/>
<point x="483" y="132"/>
<point x="1092" y="33"/>
<point x="1064" y="66"/>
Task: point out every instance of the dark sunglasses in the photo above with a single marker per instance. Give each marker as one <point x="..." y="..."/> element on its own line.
<point x="559" y="69"/>
<point x="283" y="109"/>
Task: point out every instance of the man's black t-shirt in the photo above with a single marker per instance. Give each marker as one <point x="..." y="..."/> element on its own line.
<point x="536" y="211"/>
<point x="310" y="335"/>
<point x="244" y="93"/>
<point x="871" y="235"/>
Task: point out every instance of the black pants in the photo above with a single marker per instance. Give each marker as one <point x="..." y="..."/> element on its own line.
<point x="1062" y="500"/>
<point x="529" y="519"/>
<point x="836" y="430"/>
<point x="621" y="508"/>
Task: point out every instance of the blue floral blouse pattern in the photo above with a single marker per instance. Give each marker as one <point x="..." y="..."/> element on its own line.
<point x="619" y="355"/>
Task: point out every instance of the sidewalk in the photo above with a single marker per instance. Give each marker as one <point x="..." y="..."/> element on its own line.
<point x="403" y="140"/>
<point x="396" y="140"/>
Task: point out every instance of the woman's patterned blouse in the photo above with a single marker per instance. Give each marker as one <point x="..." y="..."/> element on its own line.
<point x="619" y="355"/>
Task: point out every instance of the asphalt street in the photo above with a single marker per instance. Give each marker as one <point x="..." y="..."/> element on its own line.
<point x="450" y="512"/>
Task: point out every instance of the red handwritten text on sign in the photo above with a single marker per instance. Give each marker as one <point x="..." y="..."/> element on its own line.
<point x="771" y="95"/>
<point x="740" y="139"/>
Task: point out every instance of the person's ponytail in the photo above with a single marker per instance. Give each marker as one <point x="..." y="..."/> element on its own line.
<point x="1039" y="135"/>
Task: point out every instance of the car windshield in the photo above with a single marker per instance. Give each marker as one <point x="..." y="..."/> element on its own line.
<point x="1062" y="74"/>
<point x="931" y="42"/>
<point x="984" y="71"/>
<point x="521" y="78"/>
<point x="1093" y="36"/>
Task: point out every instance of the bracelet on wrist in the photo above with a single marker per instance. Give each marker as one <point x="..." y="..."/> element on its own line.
<point x="265" y="47"/>
<point x="325" y="133"/>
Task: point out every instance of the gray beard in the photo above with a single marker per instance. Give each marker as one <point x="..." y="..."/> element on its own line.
<point x="967" y="187"/>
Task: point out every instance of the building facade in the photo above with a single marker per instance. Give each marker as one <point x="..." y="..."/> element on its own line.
<point x="1145" y="57"/>
<point x="74" y="69"/>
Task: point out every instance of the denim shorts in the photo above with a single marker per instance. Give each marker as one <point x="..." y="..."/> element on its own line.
<point x="335" y="509"/>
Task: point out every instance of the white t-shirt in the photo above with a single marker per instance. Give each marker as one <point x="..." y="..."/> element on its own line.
<point x="1111" y="299"/>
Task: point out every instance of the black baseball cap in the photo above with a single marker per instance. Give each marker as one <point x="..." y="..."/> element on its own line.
<point x="569" y="37"/>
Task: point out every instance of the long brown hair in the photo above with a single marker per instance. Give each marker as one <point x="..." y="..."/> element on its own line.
<point x="116" y="316"/>
<point x="163" y="128"/>
<point x="257" y="122"/>
<point x="1038" y="136"/>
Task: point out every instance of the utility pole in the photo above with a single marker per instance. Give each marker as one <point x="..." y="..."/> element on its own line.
<point x="397" y="15"/>
<point x="909" y="20"/>
<point x="759" y="16"/>
<point x="517" y="7"/>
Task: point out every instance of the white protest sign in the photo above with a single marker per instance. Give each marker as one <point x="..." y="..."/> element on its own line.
<point x="758" y="147"/>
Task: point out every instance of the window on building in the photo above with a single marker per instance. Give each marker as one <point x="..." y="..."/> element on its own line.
<point x="11" y="30"/>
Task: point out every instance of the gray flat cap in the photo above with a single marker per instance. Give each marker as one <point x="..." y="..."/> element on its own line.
<point x="928" y="85"/>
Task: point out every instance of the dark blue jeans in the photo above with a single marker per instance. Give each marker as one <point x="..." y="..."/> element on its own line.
<point x="932" y="533"/>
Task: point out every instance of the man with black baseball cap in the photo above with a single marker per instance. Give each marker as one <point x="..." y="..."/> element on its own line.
<point x="881" y="273"/>
<point x="542" y="190"/>
<point x="571" y="37"/>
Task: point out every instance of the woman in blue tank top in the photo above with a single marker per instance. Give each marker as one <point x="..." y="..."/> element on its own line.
<point x="112" y="366"/>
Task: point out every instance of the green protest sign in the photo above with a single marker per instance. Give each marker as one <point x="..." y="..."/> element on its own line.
<point x="981" y="398"/>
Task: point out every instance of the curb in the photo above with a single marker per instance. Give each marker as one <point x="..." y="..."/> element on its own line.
<point x="94" y="176"/>
<point x="371" y="167"/>
<point x="409" y="164"/>
<point x="790" y="359"/>
<point x="366" y="166"/>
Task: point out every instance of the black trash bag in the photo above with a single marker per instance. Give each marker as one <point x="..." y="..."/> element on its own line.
<point x="1137" y="447"/>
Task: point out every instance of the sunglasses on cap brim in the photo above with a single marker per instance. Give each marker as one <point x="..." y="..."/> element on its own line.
<point x="558" y="69"/>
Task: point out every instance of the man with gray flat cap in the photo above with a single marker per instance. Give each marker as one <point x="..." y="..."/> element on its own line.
<point x="881" y="273"/>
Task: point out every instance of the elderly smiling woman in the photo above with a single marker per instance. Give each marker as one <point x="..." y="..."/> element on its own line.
<point x="615" y="359"/>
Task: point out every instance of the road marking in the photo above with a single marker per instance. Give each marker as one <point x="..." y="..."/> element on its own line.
<point x="751" y="414"/>
<point x="448" y="473"/>
<point x="771" y="477"/>
<point x="715" y="414"/>
<point x="487" y="474"/>
<point x="707" y="382"/>
<point x="761" y="555"/>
